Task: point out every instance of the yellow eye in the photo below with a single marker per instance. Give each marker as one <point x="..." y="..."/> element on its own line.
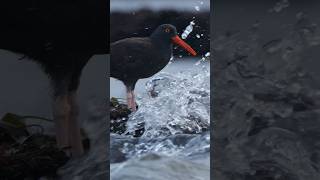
<point x="166" y="30"/>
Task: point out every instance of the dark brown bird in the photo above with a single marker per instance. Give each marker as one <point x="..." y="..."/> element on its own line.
<point x="61" y="36"/>
<point x="136" y="58"/>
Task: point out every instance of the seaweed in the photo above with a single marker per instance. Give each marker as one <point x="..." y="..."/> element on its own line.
<point x="25" y="155"/>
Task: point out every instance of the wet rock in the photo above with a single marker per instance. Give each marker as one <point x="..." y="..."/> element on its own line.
<point x="37" y="156"/>
<point x="118" y="116"/>
<point x="26" y="153"/>
<point x="266" y="111"/>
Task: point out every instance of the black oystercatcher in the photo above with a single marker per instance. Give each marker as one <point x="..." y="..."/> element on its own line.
<point x="60" y="35"/>
<point x="136" y="58"/>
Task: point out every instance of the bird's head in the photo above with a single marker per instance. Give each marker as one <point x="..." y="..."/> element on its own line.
<point x="169" y="32"/>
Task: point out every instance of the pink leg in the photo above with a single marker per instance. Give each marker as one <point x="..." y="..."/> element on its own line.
<point x="67" y="126"/>
<point x="75" y="139"/>
<point x="131" y="100"/>
<point x="61" y="110"/>
<point x="134" y="105"/>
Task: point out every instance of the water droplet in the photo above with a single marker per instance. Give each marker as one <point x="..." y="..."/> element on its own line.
<point x="188" y="30"/>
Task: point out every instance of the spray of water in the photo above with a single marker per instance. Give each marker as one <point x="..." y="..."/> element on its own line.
<point x="188" y="30"/>
<point x="175" y="104"/>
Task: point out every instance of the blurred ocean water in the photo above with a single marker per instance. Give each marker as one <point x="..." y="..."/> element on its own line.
<point x="182" y="5"/>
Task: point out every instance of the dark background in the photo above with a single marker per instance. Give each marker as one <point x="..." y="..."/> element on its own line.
<point x="265" y="85"/>
<point x="141" y="23"/>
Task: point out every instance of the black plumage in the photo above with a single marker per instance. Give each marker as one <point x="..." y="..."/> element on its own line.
<point x="136" y="58"/>
<point x="61" y="36"/>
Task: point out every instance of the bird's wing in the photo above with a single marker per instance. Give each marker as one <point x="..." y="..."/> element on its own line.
<point x="130" y="52"/>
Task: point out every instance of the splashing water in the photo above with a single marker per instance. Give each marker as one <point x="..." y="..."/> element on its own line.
<point x="197" y="7"/>
<point x="174" y="114"/>
<point x="282" y="4"/>
<point x="191" y="147"/>
<point x="180" y="104"/>
<point x="188" y="30"/>
<point x="203" y="59"/>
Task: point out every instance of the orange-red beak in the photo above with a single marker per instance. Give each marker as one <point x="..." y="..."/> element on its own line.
<point x="177" y="40"/>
